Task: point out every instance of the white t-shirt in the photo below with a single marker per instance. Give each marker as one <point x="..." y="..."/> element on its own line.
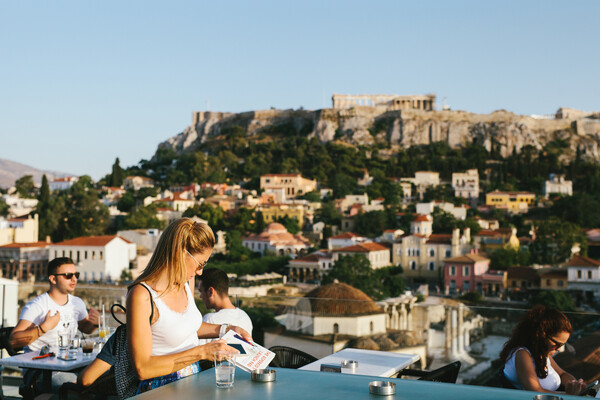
<point x="550" y="382"/>
<point x="231" y="316"/>
<point x="70" y="313"/>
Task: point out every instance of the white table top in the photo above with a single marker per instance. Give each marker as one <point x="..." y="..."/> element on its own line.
<point x="370" y="362"/>
<point x="24" y="360"/>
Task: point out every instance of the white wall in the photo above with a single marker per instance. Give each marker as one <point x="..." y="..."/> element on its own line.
<point x="353" y="325"/>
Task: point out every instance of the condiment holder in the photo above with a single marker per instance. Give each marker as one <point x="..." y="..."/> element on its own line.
<point x="263" y="375"/>
<point x="382" y="388"/>
<point x="349" y="364"/>
<point x="546" y="397"/>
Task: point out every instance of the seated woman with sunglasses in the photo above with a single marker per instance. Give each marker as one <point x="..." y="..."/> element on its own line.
<point x="163" y="322"/>
<point x="527" y="356"/>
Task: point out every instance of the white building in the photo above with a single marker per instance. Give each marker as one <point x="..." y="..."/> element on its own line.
<point x="427" y="178"/>
<point x="557" y="184"/>
<point x="276" y="239"/>
<point x="311" y="268"/>
<point x="19" y="206"/>
<point x="584" y="275"/>
<point x="64" y="183"/>
<point x="466" y="184"/>
<point x="459" y="212"/>
<point x="377" y="254"/>
<point x="344" y="240"/>
<point x="144" y="239"/>
<point x="350" y="200"/>
<point x="24" y="261"/>
<point x="137" y="182"/>
<point x="101" y="258"/>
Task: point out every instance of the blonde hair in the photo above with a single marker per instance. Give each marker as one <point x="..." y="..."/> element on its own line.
<point x="181" y="235"/>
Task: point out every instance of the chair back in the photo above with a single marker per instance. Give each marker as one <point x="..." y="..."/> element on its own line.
<point x="287" y="357"/>
<point x="4" y="340"/>
<point x="447" y="373"/>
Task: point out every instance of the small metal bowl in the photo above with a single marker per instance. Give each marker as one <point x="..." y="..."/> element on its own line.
<point x="382" y="388"/>
<point x="349" y="364"/>
<point x="546" y="397"/>
<point x="263" y="375"/>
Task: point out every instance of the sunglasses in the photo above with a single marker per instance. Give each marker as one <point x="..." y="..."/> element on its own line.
<point x="69" y="275"/>
<point x="556" y="344"/>
<point x="200" y="265"/>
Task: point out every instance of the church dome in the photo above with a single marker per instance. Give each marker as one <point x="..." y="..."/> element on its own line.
<point x="340" y="299"/>
<point x="275" y="227"/>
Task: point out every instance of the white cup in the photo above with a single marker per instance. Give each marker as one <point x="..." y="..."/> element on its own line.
<point x="224" y="368"/>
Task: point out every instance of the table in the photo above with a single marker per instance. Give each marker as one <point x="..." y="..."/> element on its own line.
<point x="370" y="362"/>
<point x="293" y="384"/>
<point x="48" y="364"/>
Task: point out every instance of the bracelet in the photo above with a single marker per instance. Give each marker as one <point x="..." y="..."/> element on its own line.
<point x="41" y="329"/>
<point x="223" y="330"/>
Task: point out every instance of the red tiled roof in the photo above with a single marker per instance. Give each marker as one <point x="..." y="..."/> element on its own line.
<point x="345" y="235"/>
<point x="21" y="245"/>
<point x="94" y="241"/>
<point x="422" y="218"/>
<point x="440" y="238"/>
<point x="362" y="248"/>
<point x="282" y="175"/>
<point x="487" y="232"/>
<point x="466" y="259"/>
<point x="581" y="261"/>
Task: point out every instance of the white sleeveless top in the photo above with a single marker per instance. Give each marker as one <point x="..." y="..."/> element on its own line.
<point x="174" y="332"/>
<point x="550" y="382"/>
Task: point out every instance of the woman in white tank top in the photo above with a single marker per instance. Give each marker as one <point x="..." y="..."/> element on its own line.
<point x="527" y="356"/>
<point x="167" y="349"/>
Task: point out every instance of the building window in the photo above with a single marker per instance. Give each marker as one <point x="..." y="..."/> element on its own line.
<point x="466" y="286"/>
<point x="432" y="266"/>
<point x="589" y="273"/>
<point x="100" y="255"/>
<point x="465" y="271"/>
<point x="371" y="326"/>
<point x="548" y="282"/>
<point x="431" y="253"/>
<point x="448" y="253"/>
<point x="413" y="265"/>
<point x="85" y="255"/>
<point x="514" y="284"/>
<point x="452" y="270"/>
<point x="336" y="328"/>
<point x="578" y="274"/>
<point x="560" y="283"/>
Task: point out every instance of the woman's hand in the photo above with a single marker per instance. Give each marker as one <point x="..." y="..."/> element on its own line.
<point x="208" y="350"/>
<point x="241" y="332"/>
<point x="575" y="386"/>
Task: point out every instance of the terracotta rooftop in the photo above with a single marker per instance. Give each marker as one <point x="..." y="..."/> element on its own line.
<point x="440" y="238"/>
<point x="362" y="248"/>
<point x="522" y="273"/>
<point x="467" y="259"/>
<point x="346" y="235"/>
<point x="340" y="299"/>
<point x="22" y="245"/>
<point x="90" y="241"/>
<point x="422" y="218"/>
<point x="581" y="261"/>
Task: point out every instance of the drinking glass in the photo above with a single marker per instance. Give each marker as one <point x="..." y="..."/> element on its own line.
<point x="87" y="347"/>
<point x="224" y="368"/>
<point x="74" y="343"/>
<point x="64" y="336"/>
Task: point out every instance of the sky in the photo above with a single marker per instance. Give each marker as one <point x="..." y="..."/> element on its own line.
<point x="82" y="82"/>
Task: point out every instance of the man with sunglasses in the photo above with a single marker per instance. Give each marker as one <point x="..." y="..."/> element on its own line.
<point x="57" y="309"/>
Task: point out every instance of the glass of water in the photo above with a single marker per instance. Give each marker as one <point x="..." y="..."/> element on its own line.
<point x="74" y="343"/>
<point x="224" y="368"/>
<point x="63" y="337"/>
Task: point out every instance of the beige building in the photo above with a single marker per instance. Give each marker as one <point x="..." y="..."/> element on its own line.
<point x="24" y="261"/>
<point x="377" y="254"/>
<point x="513" y="202"/>
<point x="137" y="182"/>
<point x="293" y="184"/>
<point x="19" y="230"/>
<point x="272" y="212"/>
<point x="466" y="184"/>
<point x="311" y="268"/>
<point x="276" y="239"/>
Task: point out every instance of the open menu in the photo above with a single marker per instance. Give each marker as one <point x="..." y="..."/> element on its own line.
<point x="252" y="356"/>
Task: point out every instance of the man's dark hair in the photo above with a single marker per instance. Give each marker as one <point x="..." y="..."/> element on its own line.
<point x="216" y="279"/>
<point x="57" y="262"/>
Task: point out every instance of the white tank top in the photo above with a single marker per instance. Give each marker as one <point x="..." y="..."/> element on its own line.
<point x="550" y="382"/>
<point x="174" y="332"/>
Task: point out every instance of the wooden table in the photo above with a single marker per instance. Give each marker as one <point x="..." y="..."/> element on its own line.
<point x="370" y="362"/>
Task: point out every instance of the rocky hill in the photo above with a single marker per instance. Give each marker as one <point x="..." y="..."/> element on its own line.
<point x="10" y="171"/>
<point x="393" y="129"/>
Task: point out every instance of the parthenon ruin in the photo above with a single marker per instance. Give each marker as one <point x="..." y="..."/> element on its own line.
<point x="391" y="101"/>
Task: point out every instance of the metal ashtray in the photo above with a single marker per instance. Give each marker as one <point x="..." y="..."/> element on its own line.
<point x="263" y="375"/>
<point x="382" y="388"/>
<point x="349" y="364"/>
<point x="546" y="397"/>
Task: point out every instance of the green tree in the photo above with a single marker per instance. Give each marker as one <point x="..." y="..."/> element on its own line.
<point x="555" y="240"/>
<point x="116" y="177"/>
<point x="25" y="187"/>
<point x="291" y="224"/>
<point x="126" y="276"/>
<point x="144" y="218"/>
<point x="4" y="208"/>
<point x="215" y="216"/>
<point x="553" y="299"/>
<point x="329" y="214"/>
<point x="370" y="224"/>
<point x="235" y="250"/>
<point x="355" y="271"/>
<point x="44" y="190"/>
<point x="127" y="202"/>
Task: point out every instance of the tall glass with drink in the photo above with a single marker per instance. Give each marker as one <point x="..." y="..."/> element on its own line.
<point x="224" y="368"/>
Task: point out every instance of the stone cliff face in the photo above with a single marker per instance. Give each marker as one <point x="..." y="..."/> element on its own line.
<point x="504" y="131"/>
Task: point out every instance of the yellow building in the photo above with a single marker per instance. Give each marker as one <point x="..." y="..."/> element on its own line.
<point x="291" y="185"/>
<point x="272" y="212"/>
<point x="514" y="202"/>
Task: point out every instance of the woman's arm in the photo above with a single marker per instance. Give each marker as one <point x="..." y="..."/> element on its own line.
<point x="92" y="372"/>
<point x="572" y="385"/>
<point x="139" y="341"/>
<point x="526" y="372"/>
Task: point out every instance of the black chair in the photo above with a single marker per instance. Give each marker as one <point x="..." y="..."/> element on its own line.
<point x="287" y="357"/>
<point x="4" y="340"/>
<point x="447" y="373"/>
<point x="102" y="389"/>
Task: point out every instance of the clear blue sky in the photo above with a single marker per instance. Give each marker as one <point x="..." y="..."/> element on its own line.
<point x="84" y="82"/>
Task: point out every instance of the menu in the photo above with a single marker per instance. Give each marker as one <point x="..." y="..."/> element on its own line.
<point x="252" y="356"/>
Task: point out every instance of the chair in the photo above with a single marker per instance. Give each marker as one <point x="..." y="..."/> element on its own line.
<point x="102" y="389"/>
<point x="287" y="357"/>
<point x="447" y="373"/>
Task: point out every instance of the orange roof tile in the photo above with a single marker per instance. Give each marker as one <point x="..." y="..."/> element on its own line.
<point x="21" y="245"/>
<point x="581" y="261"/>
<point x="346" y="235"/>
<point x="93" y="241"/>
<point x="362" y="248"/>
<point x="422" y="218"/>
<point x="466" y="259"/>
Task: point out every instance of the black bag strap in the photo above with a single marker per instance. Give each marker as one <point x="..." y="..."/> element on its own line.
<point x="120" y="306"/>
